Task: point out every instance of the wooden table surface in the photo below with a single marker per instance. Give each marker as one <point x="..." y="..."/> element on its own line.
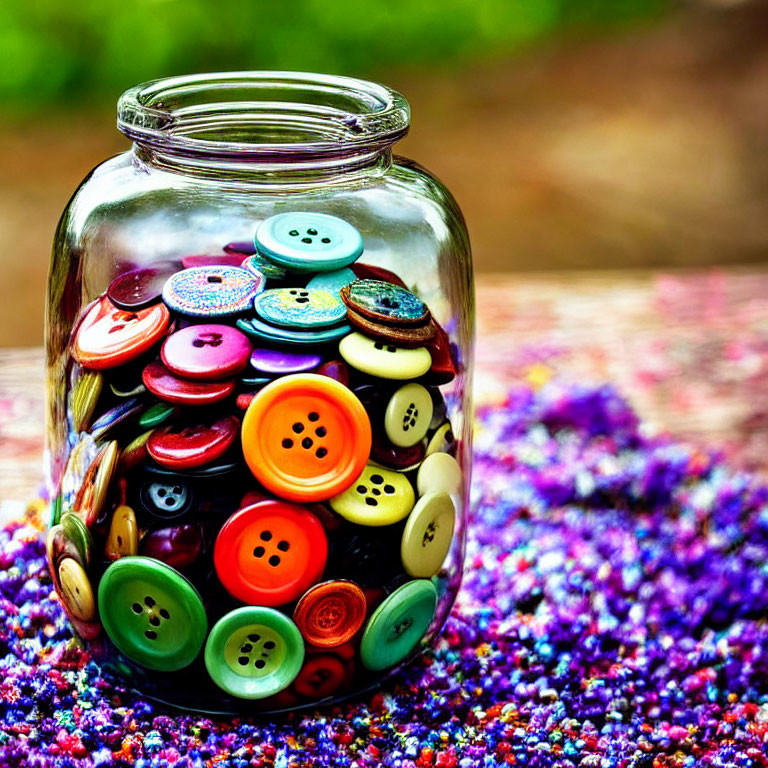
<point x="690" y="351"/>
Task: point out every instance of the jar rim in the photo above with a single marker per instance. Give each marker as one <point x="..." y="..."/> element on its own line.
<point x="269" y="114"/>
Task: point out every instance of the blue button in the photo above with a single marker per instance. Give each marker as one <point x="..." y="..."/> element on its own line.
<point x="332" y="282"/>
<point x="270" y="333"/>
<point x="309" y="242"/>
<point x="300" y="308"/>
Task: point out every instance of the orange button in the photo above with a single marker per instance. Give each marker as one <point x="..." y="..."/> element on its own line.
<point x="330" y="613"/>
<point x="270" y="553"/>
<point x="306" y="437"/>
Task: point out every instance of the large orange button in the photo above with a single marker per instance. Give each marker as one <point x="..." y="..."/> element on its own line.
<point x="270" y="553"/>
<point x="306" y="437"/>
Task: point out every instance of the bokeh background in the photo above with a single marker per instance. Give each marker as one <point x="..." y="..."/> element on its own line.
<point x="575" y="134"/>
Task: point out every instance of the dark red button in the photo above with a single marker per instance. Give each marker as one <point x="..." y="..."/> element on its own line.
<point x="138" y="288"/>
<point x="179" y="546"/>
<point x="208" y="351"/>
<point x="443" y="367"/>
<point x="369" y="272"/>
<point x="181" y="446"/>
<point x="165" y="385"/>
<point x="212" y="260"/>
<point x="321" y="676"/>
<point x="336" y="370"/>
<point x="393" y="457"/>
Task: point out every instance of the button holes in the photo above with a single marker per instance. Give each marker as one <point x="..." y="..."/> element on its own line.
<point x="298" y="427"/>
<point x="264" y="655"/>
<point x="177" y="489"/>
<point x="376" y="492"/>
<point x="302" y="300"/>
<point x="311" y="231"/>
<point x="269" y="645"/>
<point x="306" y="442"/>
<point x="116" y="328"/>
<point x="136" y="608"/>
<point x="265" y="535"/>
<point x="161" y="492"/>
<point x="164" y="613"/>
<point x="389" y="489"/>
<point x="371" y="502"/>
<point x="259" y="663"/>
<point x="326" y="240"/>
<point x="321" y="453"/>
<point x="242" y="661"/>
<point x="293" y="291"/>
<point x="313" y="416"/>
<point x="378" y="479"/>
<point x="306" y="239"/>
<point x="378" y="345"/>
<point x="120" y="541"/>
<point x="246" y="648"/>
<point x="390" y="348"/>
<point x="154" y="621"/>
<point x="303" y="293"/>
<point x="321" y="431"/>
<point x="169" y="501"/>
<point x="287" y="443"/>
<point x="283" y="546"/>
<point x="148" y="601"/>
<point x="405" y="427"/>
<point x="259" y="552"/>
<point x="361" y="489"/>
<point x="274" y="561"/>
<point x="294" y="233"/>
<point x="150" y="634"/>
<point x="215" y="279"/>
<point x="255" y="638"/>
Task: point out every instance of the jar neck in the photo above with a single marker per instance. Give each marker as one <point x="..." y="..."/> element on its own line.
<point x="273" y="128"/>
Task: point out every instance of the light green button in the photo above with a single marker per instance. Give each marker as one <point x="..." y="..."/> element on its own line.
<point x="377" y="358"/>
<point x="427" y="535"/>
<point x="254" y="652"/>
<point x="439" y="472"/>
<point x="408" y="415"/>
<point x="378" y="497"/>
<point x="397" y="625"/>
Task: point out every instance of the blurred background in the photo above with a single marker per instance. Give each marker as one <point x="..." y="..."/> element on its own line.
<point x="575" y="134"/>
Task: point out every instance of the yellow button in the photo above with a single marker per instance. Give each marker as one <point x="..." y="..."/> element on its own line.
<point x="427" y="535"/>
<point x="377" y="358"/>
<point x="76" y="590"/>
<point x="378" y="497"/>
<point x="439" y="472"/>
<point x="408" y="415"/>
<point x="442" y="441"/>
<point x="123" y="538"/>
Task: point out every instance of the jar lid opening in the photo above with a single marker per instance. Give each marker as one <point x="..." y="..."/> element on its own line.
<point x="263" y="114"/>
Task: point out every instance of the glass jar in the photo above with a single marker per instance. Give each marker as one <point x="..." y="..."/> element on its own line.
<point x="259" y="349"/>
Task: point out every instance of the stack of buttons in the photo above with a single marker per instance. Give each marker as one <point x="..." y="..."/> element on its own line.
<point x="262" y="479"/>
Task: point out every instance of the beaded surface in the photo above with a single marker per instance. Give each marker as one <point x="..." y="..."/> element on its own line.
<point x="612" y="614"/>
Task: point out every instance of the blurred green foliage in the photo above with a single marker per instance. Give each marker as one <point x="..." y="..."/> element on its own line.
<point x="87" y="50"/>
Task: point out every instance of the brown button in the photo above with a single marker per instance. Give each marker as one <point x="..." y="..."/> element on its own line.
<point x="330" y="613"/>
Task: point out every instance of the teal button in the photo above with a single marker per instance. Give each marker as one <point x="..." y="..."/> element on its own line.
<point x="332" y="282"/>
<point x="398" y="624"/>
<point x="300" y="308"/>
<point x="270" y="333"/>
<point x="308" y="242"/>
<point x="258" y="265"/>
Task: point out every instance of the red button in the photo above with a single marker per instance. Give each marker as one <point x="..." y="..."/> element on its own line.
<point x="336" y="370"/>
<point x="388" y="455"/>
<point x="330" y="614"/>
<point x="138" y="288"/>
<point x="109" y="336"/>
<point x="165" y="385"/>
<point x="213" y="260"/>
<point x="443" y="367"/>
<point x="209" y="351"/>
<point x="270" y="553"/>
<point x="181" y="446"/>
<point x="321" y="676"/>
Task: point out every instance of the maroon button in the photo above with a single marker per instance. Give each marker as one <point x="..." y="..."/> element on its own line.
<point x="179" y="546"/>
<point x="206" y="351"/>
<point x="212" y="260"/>
<point x="169" y="387"/>
<point x="245" y="247"/>
<point x="393" y="457"/>
<point x="443" y="367"/>
<point x="369" y="272"/>
<point x="138" y="288"/>
<point x="182" y="446"/>
<point x="336" y="370"/>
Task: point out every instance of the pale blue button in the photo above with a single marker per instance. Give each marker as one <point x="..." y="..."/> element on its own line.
<point x="332" y="282"/>
<point x="300" y="308"/>
<point x="269" y="333"/>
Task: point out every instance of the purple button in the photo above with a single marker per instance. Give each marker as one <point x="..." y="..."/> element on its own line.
<point x="277" y="361"/>
<point x="206" y="351"/>
<point x="138" y="288"/>
<point x="241" y="246"/>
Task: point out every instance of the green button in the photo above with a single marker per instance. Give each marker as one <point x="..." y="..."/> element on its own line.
<point x="427" y="535"/>
<point x="254" y="652"/>
<point x="76" y="532"/>
<point x="378" y="358"/>
<point x="156" y="415"/>
<point x="378" y="497"/>
<point x="398" y="624"/>
<point x="408" y="415"/>
<point x="152" y="613"/>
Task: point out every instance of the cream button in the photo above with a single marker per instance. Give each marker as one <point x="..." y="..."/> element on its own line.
<point x="408" y="415"/>
<point x="378" y="497"/>
<point x="377" y="358"/>
<point x="442" y="441"/>
<point x="439" y="472"/>
<point x="76" y="591"/>
<point x="123" y="538"/>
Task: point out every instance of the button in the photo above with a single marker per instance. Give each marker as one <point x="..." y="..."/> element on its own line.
<point x="439" y="409"/>
<point x="322" y="675"/>
<point x="85" y="395"/>
<point x="152" y="613"/>
<point x="225" y="466"/>
<point x="442" y="441"/>
<point x="308" y="242"/>
<point x="443" y="368"/>
<point x="211" y="260"/>
<point x="90" y="499"/>
<point x="439" y="472"/>
<point x="206" y="351"/>
<point x="244" y="247"/>
<point x="331" y="613"/>
<point x="127" y="388"/>
<point x="278" y="362"/>
<point x="255" y="382"/>
<point x="385" y="302"/>
<point x="370" y="556"/>
<point x="408" y="415"/>
<point x="76" y="591"/>
<point x="179" y="546"/>
<point x="108" y="336"/>
<point x="397" y="625"/>
<point x="299" y="308"/>
<point x="393" y="457"/>
<point x="270" y="553"/>
<point x="378" y="497"/>
<point x="306" y="437"/>
<point x="139" y="288"/>
<point x="134" y="453"/>
<point x="57" y="547"/>
<point x="156" y="415"/>
<point x="408" y="336"/>
<point x="83" y="452"/>
<point x="332" y="282"/>
<point x="121" y="414"/>
<point x="123" y="537"/>
<point x="169" y="387"/>
<point x="336" y="370"/>
<point x="384" y="360"/>
<point x="254" y="652"/>
<point x="212" y="291"/>
<point x="166" y="499"/>
<point x="428" y="534"/>
<point x="180" y="446"/>
<point x="258" y="265"/>
<point x="271" y="333"/>
<point x="371" y="272"/>
<point x="76" y="531"/>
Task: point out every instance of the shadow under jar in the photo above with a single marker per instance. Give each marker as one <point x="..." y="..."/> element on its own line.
<point x="259" y="349"/>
